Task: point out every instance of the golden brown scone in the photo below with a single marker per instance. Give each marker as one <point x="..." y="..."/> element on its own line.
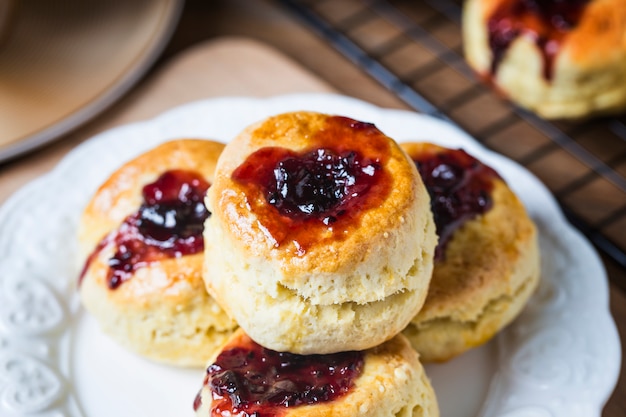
<point x="387" y="380"/>
<point x="157" y="306"/>
<point x="566" y="61"/>
<point x="298" y="261"/>
<point x="485" y="270"/>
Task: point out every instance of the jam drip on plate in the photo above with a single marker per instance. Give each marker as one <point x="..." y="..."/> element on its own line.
<point x="168" y="224"/>
<point x="460" y="189"/>
<point x="546" y="22"/>
<point x="300" y="196"/>
<point x="250" y="380"/>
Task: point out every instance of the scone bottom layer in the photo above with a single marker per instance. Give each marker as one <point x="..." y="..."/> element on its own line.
<point x="308" y="193"/>
<point x="459" y="185"/>
<point x="546" y="22"/>
<point x="168" y="224"/>
<point x="249" y="380"/>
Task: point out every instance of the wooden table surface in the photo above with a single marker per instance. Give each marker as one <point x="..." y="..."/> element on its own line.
<point x="320" y="68"/>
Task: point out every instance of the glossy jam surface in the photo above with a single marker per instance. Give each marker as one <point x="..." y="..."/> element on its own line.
<point x="169" y="223"/>
<point x="300" y="196"/>
<point x="250" y="380"/>
<point x="545" y="22"/>
<point x="460" y="189"/>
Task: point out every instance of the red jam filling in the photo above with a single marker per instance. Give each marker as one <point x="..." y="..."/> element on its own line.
<point x="460" y="189"/>
<point x="546" y="22"/>
<point x="300" y="196"/>
<point x="250" y="380"/>
<point x="168" y="224"/>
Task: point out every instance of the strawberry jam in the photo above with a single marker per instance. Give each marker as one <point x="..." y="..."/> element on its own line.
<point x="302" y="196"/>
<point x="545" y="22"/>
<point x="250" y="380"/>
<point x="168" y="224"/>
<point x="460" y="189"/>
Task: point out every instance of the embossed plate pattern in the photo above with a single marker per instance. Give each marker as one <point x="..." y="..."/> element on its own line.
<point x="561" y="357"/>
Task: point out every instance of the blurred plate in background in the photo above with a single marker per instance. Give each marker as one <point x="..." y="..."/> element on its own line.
<point x="64" y="61"/>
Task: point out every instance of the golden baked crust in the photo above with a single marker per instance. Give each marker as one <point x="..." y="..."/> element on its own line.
<point x="322" y="296"/>
<point x="589" y="69"/>
<point x="163" y="312"/>
<point x="392" y="383"/>
<point x="489" y="270"/>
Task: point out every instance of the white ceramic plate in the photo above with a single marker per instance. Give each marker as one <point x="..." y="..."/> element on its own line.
<point x="561" y="357"/>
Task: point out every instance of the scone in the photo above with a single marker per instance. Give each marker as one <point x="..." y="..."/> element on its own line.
<point x="245" y="379"/>
<point x="487" y="260"/>
<point x="141" y="236"/>
<point x="561" y="59"/>
<point x="322" y="234"/>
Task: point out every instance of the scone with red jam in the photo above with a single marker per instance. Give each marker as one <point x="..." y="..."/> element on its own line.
<point x="322" y="234"/>
<point x="487" y="259"/>
<point x="559" y="58"/>
<point x="246" y="379"/>
<point x="142" y="241"/>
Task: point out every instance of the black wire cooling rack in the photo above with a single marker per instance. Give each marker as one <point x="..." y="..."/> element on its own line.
<point x="414" y="49"/>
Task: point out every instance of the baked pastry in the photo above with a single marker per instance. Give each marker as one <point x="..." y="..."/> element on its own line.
<point x="487" y="259"/>
<point x="248" y="380"/>
<point x="141" y="236"/>
<point x="322" y="234"/>
<point x="561" y="59"/>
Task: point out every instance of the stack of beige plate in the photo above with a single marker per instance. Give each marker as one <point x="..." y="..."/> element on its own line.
<point x="63" y="61"/>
